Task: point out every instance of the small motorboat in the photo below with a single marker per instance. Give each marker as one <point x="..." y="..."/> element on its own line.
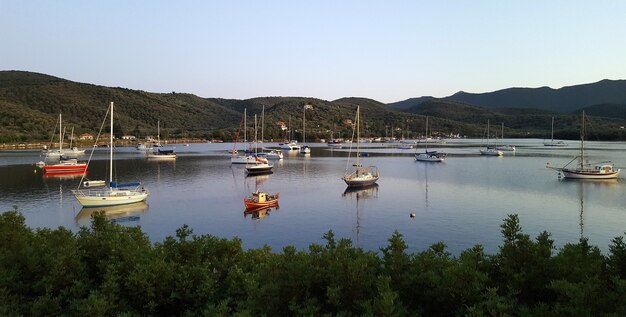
<point x="261" y="199"/>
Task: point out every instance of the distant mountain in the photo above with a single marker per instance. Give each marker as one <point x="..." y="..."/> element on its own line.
<point x="564" y="100"/>
<point x="409" y="103"/>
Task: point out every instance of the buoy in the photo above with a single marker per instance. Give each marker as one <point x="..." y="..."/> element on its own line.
<point x="35" y="171"/>
<point x="412" y="215"/>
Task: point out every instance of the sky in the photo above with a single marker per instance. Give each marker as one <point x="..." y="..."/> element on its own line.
<point x="385" y="50"/>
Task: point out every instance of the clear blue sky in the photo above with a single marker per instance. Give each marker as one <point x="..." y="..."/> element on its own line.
<point x="385" y="50"/>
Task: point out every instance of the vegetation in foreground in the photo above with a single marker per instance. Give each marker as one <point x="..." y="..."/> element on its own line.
<point x="111" y="270"/>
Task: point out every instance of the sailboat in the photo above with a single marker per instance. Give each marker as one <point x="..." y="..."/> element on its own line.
<point x="272" y="153"/>
<point x="48" y="151"/>
<point x="305" y="149"/>
<point x="115" y="193"/>
<point x="359" y="176"/>
<point x="258" y="166"/>
<point x="157" y="152"/>
<point x="73" y="149"/>
<point x="490" y="150"/>
<point x="584" y="169"/>
<point x="290" y="145"/>
<point x="66" y="164"/>
<point x="505" y="147"/>
<point x="429" y="156"/>
<point x="246" y="158"/>
<point x="552" y="142"/>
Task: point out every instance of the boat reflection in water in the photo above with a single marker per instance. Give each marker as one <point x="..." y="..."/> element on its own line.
<point x="359" y="193"/>
<point x="258" y="213"/>
<point x="65" y="175"/>
<point x="117" y="214"/>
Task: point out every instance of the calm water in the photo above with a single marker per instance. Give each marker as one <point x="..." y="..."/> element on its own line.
<point x="461" y="202"/>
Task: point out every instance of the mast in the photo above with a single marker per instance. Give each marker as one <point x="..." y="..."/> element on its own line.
<point x="426" y="136"/>
<point x="552" y="135"/>
<point x="304" y="125"/>
<point x="256" y="150"/>
<point x="582" y="142"/>
<point x="245" y="126"/>
<point x="158" y="132"/>
<point x="262" y="122"/>
<point x="358" y="138"/>
<point x="71" y="138"/>
<point x="111" y="148"/>
<point x="60" y="135"/>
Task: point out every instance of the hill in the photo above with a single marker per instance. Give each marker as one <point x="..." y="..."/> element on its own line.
<point x="565" y="100"/>
<point x="30" y="104"/>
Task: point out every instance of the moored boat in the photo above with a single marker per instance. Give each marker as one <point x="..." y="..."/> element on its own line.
<point x="260" y="199"/>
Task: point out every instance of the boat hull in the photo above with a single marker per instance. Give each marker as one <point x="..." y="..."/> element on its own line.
<point x="491" y="152"/>
<point x="116" y="198"/>
<point x="59" y="168"/>
<point x="582" y="174"/>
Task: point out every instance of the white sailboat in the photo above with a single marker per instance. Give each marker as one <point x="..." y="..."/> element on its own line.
<point x="115" y="193"/>
<point x="157" y="153"/>
<point x="305" y="149"/>
<point x="245" y="158"/>
<point x="584" y="169"/>
<point x="359" y="176"/>
<point x="66" y="165"/>
<point x="48" y="151"/>
<point x="291" y="145"/>
<point x="505" y="147"/>
<point x="552" y="142"/>
<point x="259" y="166"/>
<point x="429" y="156"/>
<point x="490" y="150"/>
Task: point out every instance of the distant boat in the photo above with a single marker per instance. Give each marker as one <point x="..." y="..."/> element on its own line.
<point x="552" y="142"/>
<point x="429" y="156"/>
<point x="48" y="151"/>
<point x="505" y="147"/>
<point x="490" y="150"/>
<point x="335" y="143"/>
<point x="66" y="164"/>
<point x="260" y="165"/>
<point x="115" y="193"/>
<point x="360" y="176"/>
<point x="261" y="199"/>
<point x="305" y="149"/>
<point x="290" y="146"/>
<point x="159" y="154"/>
<point x="584" y="169"/>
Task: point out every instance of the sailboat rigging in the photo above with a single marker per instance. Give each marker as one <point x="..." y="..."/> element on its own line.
<point x="584" y="169"/>
<point x="359" y="176"/>
<point x="490" y="150"/>
<point x="429" y="156"/>
<point x="115" y="193"/>
<point x="157" y="152"/>
<point x="552" y="142"/>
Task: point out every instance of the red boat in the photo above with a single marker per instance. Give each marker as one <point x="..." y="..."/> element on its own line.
<point x="70" y="165"/>
<point x="261" y="199"/>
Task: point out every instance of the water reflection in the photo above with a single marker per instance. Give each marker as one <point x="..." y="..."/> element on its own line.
<point x="119" y="214"/>
<point x="64" y="175"/>
<point x="258" y="213"/>
<point x="357" y="194"/>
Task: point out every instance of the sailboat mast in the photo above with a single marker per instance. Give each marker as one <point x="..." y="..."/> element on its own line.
<point x="262" y="122"/>
<point x="245" y="126"/>
<point x="358" y="137"/>
<point x="256" y="150"/>
<point x="111" y="148"/>
<point x="582" y="143"/>
<point x="304" y="124"/>
<point x="60" y="135"/>
<point x="552" y="136"/>
<point x="426" y="136"/>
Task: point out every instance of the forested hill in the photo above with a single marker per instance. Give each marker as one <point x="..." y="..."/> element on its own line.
<point x="30" y="104"/>
<point x="565" y="100"/>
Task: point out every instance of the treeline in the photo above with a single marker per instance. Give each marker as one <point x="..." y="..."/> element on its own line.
<point x="108" y="270"/>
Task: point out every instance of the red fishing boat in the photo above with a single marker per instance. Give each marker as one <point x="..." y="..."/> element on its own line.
<point x="261" y="199"/>
<point x="66" y="165"/>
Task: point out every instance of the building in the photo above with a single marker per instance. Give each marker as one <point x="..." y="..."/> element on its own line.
<point x="128" y="137"/>
<point x="86" y="136"/>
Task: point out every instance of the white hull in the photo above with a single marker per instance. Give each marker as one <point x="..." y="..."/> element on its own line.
<point x="491" y="152"/>
<point x="248" y="159"/>
<point x="428" y="158"/>
<point x="292" y="146"/>
<point x="506" y="148"/>
<point x="108" y="198"/>
<point x="589" y="174"/>
<point x="161" y="156"/>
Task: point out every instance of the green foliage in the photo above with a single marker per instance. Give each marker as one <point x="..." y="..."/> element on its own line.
<point x="107" y="270"/>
